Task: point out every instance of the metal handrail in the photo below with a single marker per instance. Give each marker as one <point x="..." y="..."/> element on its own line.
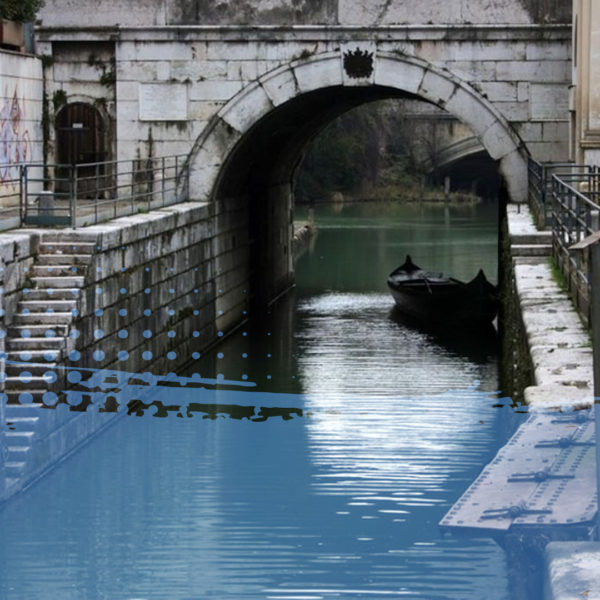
<point x="11" y="193"/>
<point x="90" y="193"/>
<point x="575" y="216"/>
<point x="540" y="185"/>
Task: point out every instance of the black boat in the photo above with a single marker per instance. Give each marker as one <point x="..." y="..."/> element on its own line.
<point x="434" y="298"/>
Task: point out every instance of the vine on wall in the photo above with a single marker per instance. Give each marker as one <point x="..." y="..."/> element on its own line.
<point x="20" y="10"/>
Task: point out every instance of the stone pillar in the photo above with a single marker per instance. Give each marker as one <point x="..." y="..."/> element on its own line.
<point x="586" y="78"/>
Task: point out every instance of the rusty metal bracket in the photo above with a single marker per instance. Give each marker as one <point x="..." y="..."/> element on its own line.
<point x="563" y="442"/>
<point x="513" y="512"/>
<point x="538" y="476"/>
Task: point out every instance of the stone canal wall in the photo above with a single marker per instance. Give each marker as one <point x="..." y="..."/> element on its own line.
<point x="560" y="355"/>
<point x="149" y="290"/>
<point x="558" y="344"/>
<point x="16" y="258"/>
<point x="146" y="293"/>
<point x="159" y="287"/>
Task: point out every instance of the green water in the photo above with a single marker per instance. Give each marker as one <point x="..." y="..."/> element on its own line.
<point x="365" y="432"/>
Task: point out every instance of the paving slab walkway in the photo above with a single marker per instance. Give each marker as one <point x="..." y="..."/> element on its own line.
<point x="561" y="354"/>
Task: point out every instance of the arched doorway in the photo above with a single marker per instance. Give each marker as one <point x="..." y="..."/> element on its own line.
<point x="81" y="150"/>
<point x="80" y="135"/>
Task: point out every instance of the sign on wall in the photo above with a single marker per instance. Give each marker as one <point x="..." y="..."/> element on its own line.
<point x="163" y="102"/>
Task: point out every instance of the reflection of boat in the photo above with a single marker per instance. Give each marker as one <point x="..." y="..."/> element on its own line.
<point x="478" y="344"/>
<point x="434" y="298"/>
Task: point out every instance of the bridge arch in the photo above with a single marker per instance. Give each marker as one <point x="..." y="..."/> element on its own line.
<point x="304" y="95"/>
<point x="245" y="160"/>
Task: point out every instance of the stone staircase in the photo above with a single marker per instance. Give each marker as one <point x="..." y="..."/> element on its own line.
<point x="38" y="335"/>
<point x="528" y="245"/>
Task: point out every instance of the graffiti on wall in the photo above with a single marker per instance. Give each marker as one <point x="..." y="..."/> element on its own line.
<point x="15" y="142"/>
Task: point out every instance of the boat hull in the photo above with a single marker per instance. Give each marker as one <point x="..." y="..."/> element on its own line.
<point x="440" y="300"/>
<point x="446" y="308"/>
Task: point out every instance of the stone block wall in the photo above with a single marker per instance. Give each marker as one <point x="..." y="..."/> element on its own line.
<point x="17" y="253"/>
<point x="233" y="266"/>
<point x="170" y="83"/>
<point x="160" y="287"/>
<point x="148" y="302"/>
<point x="76" y="73"/>
<point x="21" y="95"/>
<point x="524" y="75"/>
<point x="313" y="12"/>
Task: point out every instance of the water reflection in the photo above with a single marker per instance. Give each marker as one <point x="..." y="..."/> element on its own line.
<point x="349" y="343"/>
<point x="328" y="481"/>
<point x="479" y="345"/>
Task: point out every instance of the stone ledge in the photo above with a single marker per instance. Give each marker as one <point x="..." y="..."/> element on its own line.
<point x="561" y="353"/>
<point x="126" y="230"/>
<point x="558" y="342"/>
<point x="572" y="571"/>
<point x="228" y="33"/>
<point x="562" y="398"/>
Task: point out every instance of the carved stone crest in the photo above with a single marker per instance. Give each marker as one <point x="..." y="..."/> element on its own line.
<point x="358" y="64"/>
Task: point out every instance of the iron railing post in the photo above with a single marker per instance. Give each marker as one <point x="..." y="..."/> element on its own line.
<point x="22" y="194"/>
<point x="149" y="182"/>
<point x="96" y="186"/>
<point x="162" y="177"/>
<point x="187" y="181"/>
<point x="132" y="186"/>
<point x="176" y="178"/>
<point x="73" y="194"/>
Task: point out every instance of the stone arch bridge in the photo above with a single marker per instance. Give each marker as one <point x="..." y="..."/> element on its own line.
<point x="242" y="94"/>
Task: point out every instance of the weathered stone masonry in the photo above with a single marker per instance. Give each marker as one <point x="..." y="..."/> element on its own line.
<point x="163" y="283"/>
<point x="148" y="292"/>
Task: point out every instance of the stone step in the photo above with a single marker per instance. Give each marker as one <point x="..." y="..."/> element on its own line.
<point x="20" y="439"/>
<point x="34" y="356"/>
<point x="42" y="294"/>
<point x="539" y="237"/>
<point x="18" y="453"/>
<point x="41" y="306"/>
<point x="57" y="270"/>
<point x="72" y="281"/>
<point x="33" y="368"/>
<point x="69" y="248"/>
<point x="530" y="260"/>
<point x="25" y="383"/>
<point x="14" y="468"/>
<point x="28" y="408"/>
<point x="33" y="397"/>
<point x="37" y="331"/>
<point x="34" y="343"/>
<point x="21" y="411"/>
<point x="42" y="318"/>
<point x="22" y="423"/>
<point x="11" y="482"/>
<point x="64" y="259"/>
<point x="531" y="249"/>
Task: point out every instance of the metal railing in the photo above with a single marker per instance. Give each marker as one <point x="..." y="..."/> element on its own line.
<point x="575" y="217"/>
<point x="85" y="194"/>
<point x="10" y="196"/>
<point x="540" y="186"/>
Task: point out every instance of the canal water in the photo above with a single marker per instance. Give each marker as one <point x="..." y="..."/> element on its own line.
<point x="327" y="479"/>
